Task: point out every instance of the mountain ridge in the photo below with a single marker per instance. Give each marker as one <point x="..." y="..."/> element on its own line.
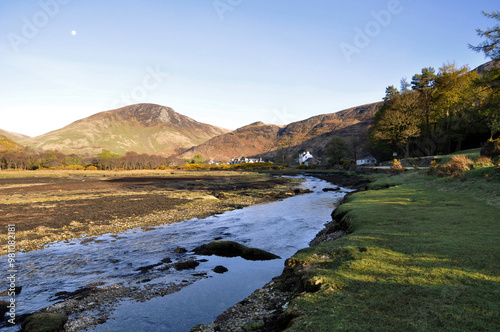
<point x="143" y="128"/>
<point x="269" y="141"/>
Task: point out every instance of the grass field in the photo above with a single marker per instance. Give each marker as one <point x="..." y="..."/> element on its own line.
<point x="423" y="254"/>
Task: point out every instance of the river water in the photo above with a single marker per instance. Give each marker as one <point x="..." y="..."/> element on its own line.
<point x="281" y="227"/>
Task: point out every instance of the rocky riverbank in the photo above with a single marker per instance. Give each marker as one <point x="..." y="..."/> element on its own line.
<point x="64" y="207"/>
<point x="266" y="309"/>
<point x="77" y="208"/>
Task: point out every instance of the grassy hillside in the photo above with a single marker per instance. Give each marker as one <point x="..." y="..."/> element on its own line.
<point x="14" y="136"/>
<point x="423" y="254"/>
<point x="143" y="128"/>
<point x="8" y="144"/>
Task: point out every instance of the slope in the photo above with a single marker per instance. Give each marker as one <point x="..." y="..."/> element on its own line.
<point x="271" y="141"/>
<point x="8" y="144"/>
<point x="143" y="128"/>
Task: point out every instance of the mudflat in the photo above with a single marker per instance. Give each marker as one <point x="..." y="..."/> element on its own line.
<point x="58" y="206"/>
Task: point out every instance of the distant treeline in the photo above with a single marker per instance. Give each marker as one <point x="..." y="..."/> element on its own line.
<point x="106" y="160"/>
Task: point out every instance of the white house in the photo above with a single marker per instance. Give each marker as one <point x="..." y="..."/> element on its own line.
<point x="244" y="160"/>
<point x="305" y="158"/>
<point x="368" y="160"/>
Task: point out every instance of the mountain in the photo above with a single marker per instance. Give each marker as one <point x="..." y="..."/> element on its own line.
<point x="8" y="144"/>
<point x="271" y="141"/>
<point x="143" y="128"/>
<point x="14" y="136"/>
<point x="249" y="140"/>
<point x="485" y="67"/>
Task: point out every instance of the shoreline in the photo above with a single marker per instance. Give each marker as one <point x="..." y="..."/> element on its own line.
<point x="204" y="199"/>
<point x="265" y="310"/>
<point x="424" y="271"/>
<point x="76" y="208"/>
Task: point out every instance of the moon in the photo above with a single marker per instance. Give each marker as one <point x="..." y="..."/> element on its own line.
<point x="73" y="33"/>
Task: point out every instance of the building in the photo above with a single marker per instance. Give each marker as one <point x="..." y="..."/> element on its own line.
<point x="305" y="158"/>
<point x="367" y="161"/>
<point x="244" y="160"/>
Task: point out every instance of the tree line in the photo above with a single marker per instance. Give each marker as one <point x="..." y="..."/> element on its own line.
<point x="106" y="160"/>
<point x="438" y="111"/>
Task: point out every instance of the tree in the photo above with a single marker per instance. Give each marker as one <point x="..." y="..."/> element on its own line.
<point x="398" y="122"/>
<point x="405" y="85"/>
<point x="455" y="98"/>
<point x="336" y="150"/>
<point x="490" y="80"/>
<point x="424" y="84"/>
<point x="491" y="46"/>
<point x="107" y="159"/>
<point x="390" y="93"/>
<point x="198" y="159"/>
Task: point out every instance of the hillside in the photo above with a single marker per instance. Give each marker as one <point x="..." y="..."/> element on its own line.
<point x="271" y="141"/>
<point x="14" y="136"/>
<point x="143" y="128"/>
<point x="8" y="144"/>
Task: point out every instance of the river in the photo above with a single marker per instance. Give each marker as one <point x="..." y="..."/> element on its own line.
<point x="280" y="227"/>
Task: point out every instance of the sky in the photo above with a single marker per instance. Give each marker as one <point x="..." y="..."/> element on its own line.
<point x="228" y="63"/>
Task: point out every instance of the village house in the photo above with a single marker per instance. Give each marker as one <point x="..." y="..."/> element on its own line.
<point x="306" y="158"/>
<point x="368" y="160"/>
<point x="244" y="160"/>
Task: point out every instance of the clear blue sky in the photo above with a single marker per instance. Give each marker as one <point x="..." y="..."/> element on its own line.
<point x="224" y="62"/>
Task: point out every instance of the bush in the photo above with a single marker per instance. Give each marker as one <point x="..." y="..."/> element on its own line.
<point x="457" y="166"/>
<point x="397" y="167"/>
<point x="433" y="168"/>
<point x="191" y="167"/>
<point x="483" y="161"/>
<point x="491" y="148"/>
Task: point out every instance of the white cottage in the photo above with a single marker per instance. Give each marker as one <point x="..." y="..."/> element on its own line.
<point x="368" y="160"/>
<point x="305" y="158"/>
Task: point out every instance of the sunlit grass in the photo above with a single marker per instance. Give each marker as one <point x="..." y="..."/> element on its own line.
<point x="422" y="255"/>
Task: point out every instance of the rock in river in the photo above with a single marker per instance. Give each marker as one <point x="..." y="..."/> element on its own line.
<point x="233" y="249"/>
<point x="44" y="322"/>
<point x="185" y="264"/>
<point x="220" y="269"/>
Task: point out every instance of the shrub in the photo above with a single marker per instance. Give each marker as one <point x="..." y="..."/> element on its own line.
<point x="91" y="168"/>
<point x="191" y="167"/>
<point x="491" y="148"/>
<point x="483" y="161"/>
<point x="433" y="168"/>
<point x="397" y="167"/>
<point x="457" y="166"/>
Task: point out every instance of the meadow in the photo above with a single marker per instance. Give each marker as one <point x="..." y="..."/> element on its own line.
<point x="422" y="253"/>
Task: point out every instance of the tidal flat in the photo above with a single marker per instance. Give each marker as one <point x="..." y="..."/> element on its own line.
<point x="50" y="206"/>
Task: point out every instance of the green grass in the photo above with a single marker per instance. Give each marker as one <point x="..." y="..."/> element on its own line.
<point x="423" y="255"/>
<point x="471" y="153"/>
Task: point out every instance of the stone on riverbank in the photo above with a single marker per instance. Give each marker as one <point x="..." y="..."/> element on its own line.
<point x="234" y="249"/>
<point x="220" y="269"/>
<point x="44" y="322"/>
<point x="185" y="264"/>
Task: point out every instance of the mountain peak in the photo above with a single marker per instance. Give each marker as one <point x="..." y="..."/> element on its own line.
<point x="143" y="128"/>
<point x="151" y="115"/>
